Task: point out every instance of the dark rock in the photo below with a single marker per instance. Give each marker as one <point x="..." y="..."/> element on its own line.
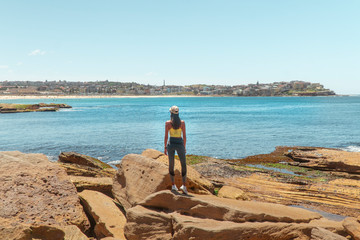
<point x="81" y="159"/>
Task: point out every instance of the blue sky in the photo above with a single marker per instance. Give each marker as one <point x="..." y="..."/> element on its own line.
<point x="182" y="42"/>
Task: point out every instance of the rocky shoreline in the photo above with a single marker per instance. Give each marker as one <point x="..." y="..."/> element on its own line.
<point x="41" y="107"/>
<point x="81" y="198"/>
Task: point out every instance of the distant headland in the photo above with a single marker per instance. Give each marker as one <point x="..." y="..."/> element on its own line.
<point x="108" y="88"/>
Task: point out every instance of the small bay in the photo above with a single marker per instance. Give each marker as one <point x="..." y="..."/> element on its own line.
<point x="221" y="127"/>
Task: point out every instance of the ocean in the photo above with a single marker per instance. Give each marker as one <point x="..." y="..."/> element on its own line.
<point x="220" y="127"/>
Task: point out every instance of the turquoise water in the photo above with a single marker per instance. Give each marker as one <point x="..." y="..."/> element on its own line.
<point x="222" y="127"/>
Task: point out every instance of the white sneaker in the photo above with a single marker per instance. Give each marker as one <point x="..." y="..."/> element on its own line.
<point x="174" y="188"/>
<point x="183" y="188"/>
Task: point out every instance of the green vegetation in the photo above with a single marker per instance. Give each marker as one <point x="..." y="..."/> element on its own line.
<point x="41" y="107"/>
<point x="195" y="159"/>
<point x="299" y="173"/>
<point x="22" y="106"/>
<point x="287" y="167"/>
<point x="245" y="168"/>
<point x="103" y="165"/>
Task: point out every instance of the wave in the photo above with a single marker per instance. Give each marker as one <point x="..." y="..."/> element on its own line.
<point x="52" y="158"/>
<point x="114" y="162"/>
<point x="71" y="110"/>
<point x="352" y="148"/>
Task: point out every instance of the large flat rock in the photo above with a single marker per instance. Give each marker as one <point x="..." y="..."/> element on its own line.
<point x="208" y="206"/>
<point x="36" y="192"/>
<point x="167" y="215"/>
<point x="328" y="159"/>
<point x="186" y="227"/>
<point x="139" y="176"/>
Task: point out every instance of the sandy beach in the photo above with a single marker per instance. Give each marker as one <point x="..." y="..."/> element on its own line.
<point x="10" y="97"/>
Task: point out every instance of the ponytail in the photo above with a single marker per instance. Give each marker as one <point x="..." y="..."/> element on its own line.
<point x="175" y="121"/>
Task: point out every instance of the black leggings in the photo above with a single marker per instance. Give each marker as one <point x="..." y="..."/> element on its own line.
<point x="178" y="146"/>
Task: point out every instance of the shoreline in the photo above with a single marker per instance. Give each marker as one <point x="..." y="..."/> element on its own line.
<point x="15" y="97"/>
<point x="10" y="97"/>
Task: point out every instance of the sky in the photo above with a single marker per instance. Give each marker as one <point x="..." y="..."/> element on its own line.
<point x="222" y="42"/>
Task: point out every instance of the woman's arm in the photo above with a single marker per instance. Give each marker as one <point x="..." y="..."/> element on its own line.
<point x="183" y="128"/>
<point x="166" y="136"/>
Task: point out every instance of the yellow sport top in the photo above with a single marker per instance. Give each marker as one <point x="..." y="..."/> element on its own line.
<point x="175" y="132"/>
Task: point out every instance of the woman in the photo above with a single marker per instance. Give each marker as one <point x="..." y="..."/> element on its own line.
<point x="176" y="128"/>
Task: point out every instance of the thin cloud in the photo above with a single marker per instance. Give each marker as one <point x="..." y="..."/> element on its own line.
<point x="4" y="66"/>
<point x="150" y="74"/>
<point x="19" y="64"/>
<point x="37" y="52"/>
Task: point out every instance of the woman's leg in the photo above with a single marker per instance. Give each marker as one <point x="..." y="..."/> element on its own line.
<point x="171" y="155"/>
<point x="182" y="156"/>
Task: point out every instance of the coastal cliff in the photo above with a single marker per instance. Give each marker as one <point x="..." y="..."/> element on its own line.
<point x="81" y="198"/>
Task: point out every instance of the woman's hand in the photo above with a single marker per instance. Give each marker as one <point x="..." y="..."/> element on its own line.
<point x="165" y="150"/>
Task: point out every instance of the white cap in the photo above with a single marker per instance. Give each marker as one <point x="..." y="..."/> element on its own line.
<point x="174" y="109"/>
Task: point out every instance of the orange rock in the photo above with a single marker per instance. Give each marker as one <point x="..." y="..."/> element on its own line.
<point x="352" y="226"/>
<point x="109" y="219"/>
<point x="139" y="176"/>
<point x="169" y="215"/>
<point x="81" y="159"/>
<point x="143" y="223"/>
<point x="223" y="209"/>
<point x="100" y="184"/>
<point x="35" y="191"/>
<point x="72" y="232"/>
<point x="196" y="183"/>
<point x="232" y="193"/>
<point x="321" y="234"/>
<point x="328" y="159"/>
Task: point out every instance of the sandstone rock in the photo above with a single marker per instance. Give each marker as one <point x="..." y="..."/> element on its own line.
<point x="352" y="226"/>
<point x="100" y="184"/>
<point x="195" y="182"/>
<point x="111" y="238"/>
<point x="223" y="209"/>
<point x="36" y="192"/>
<point x="81" y="159"/>
<point x="328" y="159"/>
<point x="72" y="232"/>
<point x="152" y="153"/>
<point x="337" y="197"/>
<point x="330" y="225"/>
<point x="323" y="234"/>
<point x="168" y="215"/>
<point x="278" y="155"/>
<point x="86" y="171"/>
<point x="232" y="193"/>
<point x="27" y="232"/>
<point x="186" y="227"/>
<point x="109" y="219"/>
<point x="143" y="223"/>
<point x="137" y="177"/>
<point x="47" y="232"/>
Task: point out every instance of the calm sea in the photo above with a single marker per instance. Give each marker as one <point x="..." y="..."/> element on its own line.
<point x="222" y="127"/>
